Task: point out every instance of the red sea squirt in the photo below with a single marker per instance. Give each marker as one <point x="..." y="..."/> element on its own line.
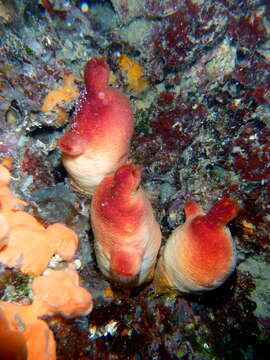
<point x="127" y="236"/>
<point x="199" y="255"/>
<point x="99" y="139"/>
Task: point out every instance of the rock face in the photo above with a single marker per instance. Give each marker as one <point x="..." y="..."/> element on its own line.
<point x="202" y="133"/>
<point x="130" y="9"/>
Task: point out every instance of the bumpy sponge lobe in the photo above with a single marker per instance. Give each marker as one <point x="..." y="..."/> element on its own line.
<point x="40" y="341"/>
<point x="4" y="232"/>
<point x="56" y="292"/>
<point x="59" y="292"/>
<point x="200" y="254"/>
<point x="127" y="236"/>
<point x="12" y="343"/>
<point x="99" y="138"/>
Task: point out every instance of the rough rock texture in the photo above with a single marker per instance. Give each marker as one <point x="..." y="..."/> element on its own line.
<point x="202" y="132"/>
<point x="130" y="9"/>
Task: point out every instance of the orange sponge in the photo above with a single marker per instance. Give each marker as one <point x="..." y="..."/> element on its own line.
<point x="55" y="293"/>
<point x="134" y="73"/>
<point x="4" y="231"/>
<point x="59" y="293"/>
<point x="30" y="248"/>
<point x="24" y="242"/>
<point x="12" y="343"/>
<point x="40" y="341"/>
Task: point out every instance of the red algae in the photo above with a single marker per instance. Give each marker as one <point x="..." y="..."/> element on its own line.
<point x="34" y="163"/>
<point x="178" y="120"/>
<point x="261" y="94"/>
<point x="52" y="12"/>
<point x="255" y="74"/>
<point x="249" y="30"/>
<point x="185" y="29"/>
<point x="252" y="157"/>
<point x="166" y="98"/>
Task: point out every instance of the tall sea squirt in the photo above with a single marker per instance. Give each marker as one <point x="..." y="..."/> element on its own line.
<point x="199" y="255"/>
<point x="127" y="235"/>
<point x="98" y="140"/>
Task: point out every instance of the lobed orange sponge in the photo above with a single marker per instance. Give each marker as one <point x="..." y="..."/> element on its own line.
<point x="59" y="293"/>
<point x="24" y="242"/>
<point x="4" y="232"/>
<point x="64" y="93"/>
<point x="8" y="201"/>
<point x="99" y="138"/>
<point x="55" y="99"/>
<point x="30" y="248"/>
<point x="34" y="334"/>
<point x="199" y="255"/>
<point x="40" y="341"/>
<point x="12" y="343"/>
<point x="127" y="236"/>
<point x="55" y="293"/>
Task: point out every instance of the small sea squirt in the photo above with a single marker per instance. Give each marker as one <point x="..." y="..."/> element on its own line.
<point x="199" y="255"/>
<point x="127" y="235"/>
<point x="98" y="140"/>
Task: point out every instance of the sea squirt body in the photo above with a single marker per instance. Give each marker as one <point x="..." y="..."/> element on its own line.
<point x="200" y="254"/>
<point x="99" y="138"/>
<point x="127" y="236"/>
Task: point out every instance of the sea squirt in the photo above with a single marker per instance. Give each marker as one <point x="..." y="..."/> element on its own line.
<point x="127" y="235"/>
<point x="98" y="140"/>
<point x="200" y="254"/>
